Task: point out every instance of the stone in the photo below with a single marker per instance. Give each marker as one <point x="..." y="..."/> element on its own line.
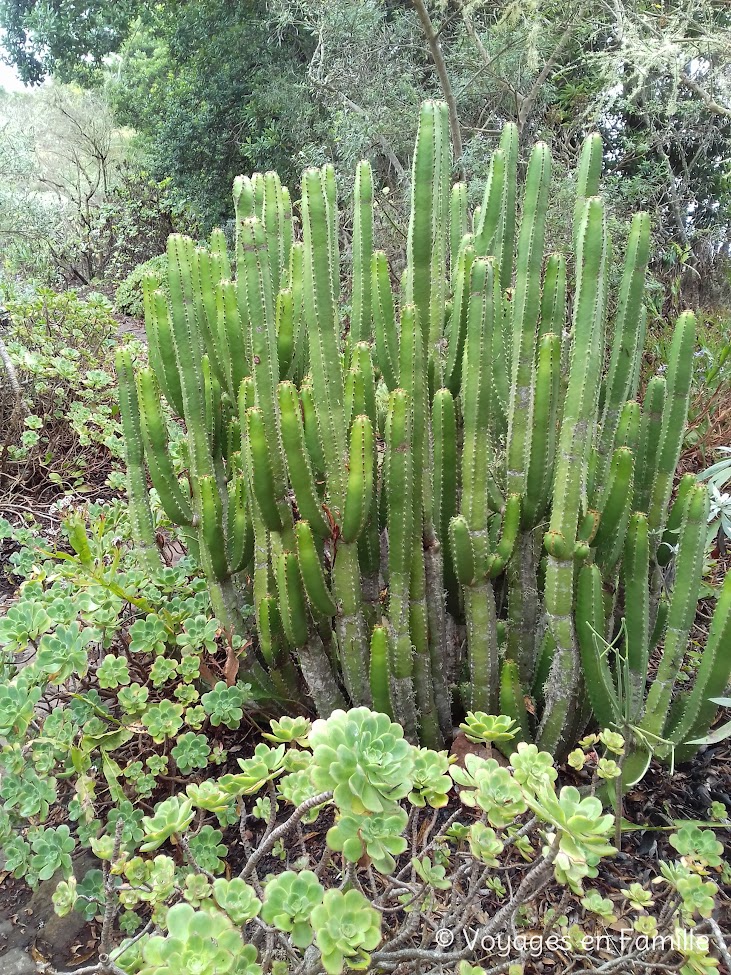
<point x="17" y="962"/>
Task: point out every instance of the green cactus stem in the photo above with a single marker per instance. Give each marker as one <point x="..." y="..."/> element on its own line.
<point x="525" y="313"/>
<point x="571" y="471"/>
<point x="675" y="415"/>
<point x="400" y="495"/>
<point x="139" y="501"/>
<point x="360" y="316"/>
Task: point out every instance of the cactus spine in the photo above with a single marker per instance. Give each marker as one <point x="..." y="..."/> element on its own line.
<point x="462" y="464"/>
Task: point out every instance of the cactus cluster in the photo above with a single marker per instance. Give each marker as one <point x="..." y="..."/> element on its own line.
<point x="457" y="502"/>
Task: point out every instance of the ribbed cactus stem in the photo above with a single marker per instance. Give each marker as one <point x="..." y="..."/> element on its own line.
<point x="360" y="316"/>
<point x="380" y="655"/>
<point x="618" y="382"/>
<point x="301" y="476"/>
<point x="309" y="650"/>
<point x="428" y="718"/>
<point x="272" y="217"/>
<point x="174" y="502"/>
<point x="526" y="306"/>
<point x="479" y="599"/>
<point x="571" y="469"/>
<point x="488" y="222"/>
<point x="458" y="315"/>
<point x="400" y="497"/>
<point x="139" y="502"/>
<point x="688" y="571"/>
<point x="239" y="531"/>
<point x="588" y="175"/>
<point x="264" y="361"/>
<point x="296" y="284"/>
<point x="650" y="437"/>
<point x="426" y="250"/>
<point x="232" y="335"/>
<point x="512" y="701"/>
<point x="635" y="572"/>
<point x="285" y="329"/>
<point x="543" y="438"/>
<point x="384" y="320"/>
<point x="204" y="303"/>
<point x="458" y="223"/>
<point x="599" y="680"/>
<point x="712" y="677"/>
<point x="323" y="331"/>
<point x="553" y="296"/>
<point x="675" y="415"/>
<point x="505" y="239"/>
<point x="160" y="342"/>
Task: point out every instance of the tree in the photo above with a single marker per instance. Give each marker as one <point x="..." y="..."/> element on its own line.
<point x="210" y="96"/>
<point x="67" y="38"/>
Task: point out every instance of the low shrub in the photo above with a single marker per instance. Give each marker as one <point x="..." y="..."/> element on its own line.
<point x="128" y="298"/>
<point x="65" y="433"/>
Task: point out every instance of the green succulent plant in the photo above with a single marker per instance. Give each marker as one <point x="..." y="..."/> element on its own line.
<point x="433" y="874"/>
<point x="346" y="928"/>
<point x="163" y="720"/>
<point x="532" y="769"/>
<point x="149" y="635"/>
<point x="380" y="835"/>
<point x="199" y="633"/>
<point x="173" y="815"/>
<point x="64" y="897"/>
<point x="133" y="699"/>
<point x="485" y="844"/>
<point x="28" y="795"/>
<point x="196" y="943"/>
<point x="21" y="624"/>
<point x="639" y="898"/>
<point x="363" y="758"/>
<point x="237" y="899"/>
<point x="698" y="895"/>
<point x="287" y="730"/>
<point x="481" y="727"/>
<point x="191" y="751"/>
<point x="601" y="906"/>
<point x="533" y="474"/>
<point x="163" y="670"/>
<point x="612" y="741"/>
<point x="289" y="902"/>
<point x="197" y="889"/>
<point x="296" y="788"/>
<point x="698" y="844"/>
<point x="63" y="652"/>
<point x="113" y="671"/>
<point x="210" y="796"/>
<point x="581" y="828"/>
<point x="431" y="778"/>
<point x="491" y="787"/>
<point x="224" y="705"/>
<point x="18" y="702"/>
<point x="208" y="850"/>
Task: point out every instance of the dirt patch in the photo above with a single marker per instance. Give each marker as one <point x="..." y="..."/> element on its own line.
<point x="33" y="927"/>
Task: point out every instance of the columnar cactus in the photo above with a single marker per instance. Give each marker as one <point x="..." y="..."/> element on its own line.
<point x="455" y="503"/>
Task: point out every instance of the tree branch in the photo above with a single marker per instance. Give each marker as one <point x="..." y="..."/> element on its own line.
<point x="708" y="100"/>
<point x="435" y="49"/>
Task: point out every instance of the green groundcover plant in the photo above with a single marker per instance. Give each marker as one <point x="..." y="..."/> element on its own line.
<point x="221" y="877"/>
<point x="65" y="434"/>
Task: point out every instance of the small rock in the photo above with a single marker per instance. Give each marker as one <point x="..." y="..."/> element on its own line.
<point x="17" y="962"/>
